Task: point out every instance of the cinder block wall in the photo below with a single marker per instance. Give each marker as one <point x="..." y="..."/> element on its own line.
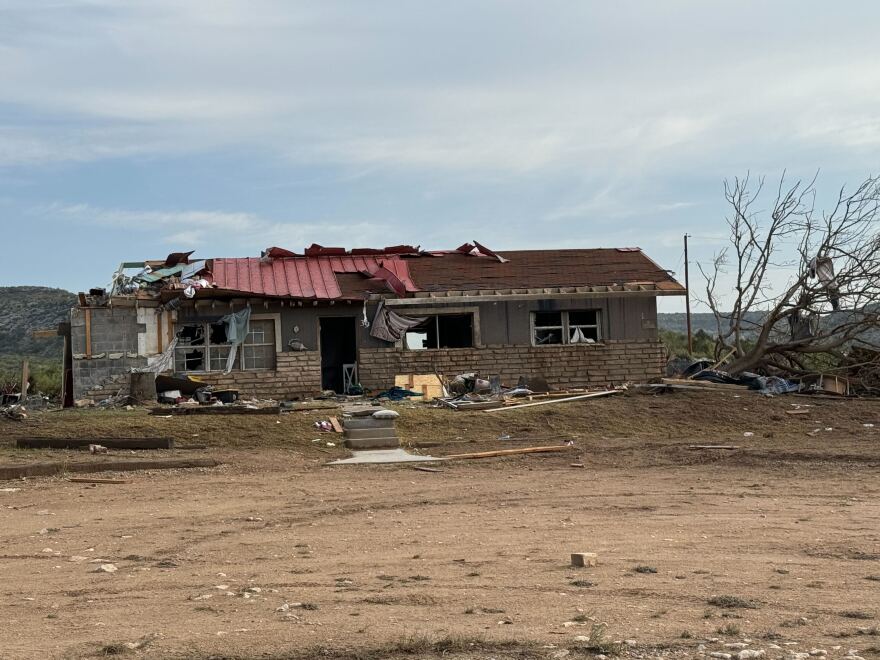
<point x="114" y="331"/>
<point x="574" y="365"/>
<point x="297" y="374"/>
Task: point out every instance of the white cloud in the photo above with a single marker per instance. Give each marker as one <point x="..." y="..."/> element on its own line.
<point x="242" y="233"/>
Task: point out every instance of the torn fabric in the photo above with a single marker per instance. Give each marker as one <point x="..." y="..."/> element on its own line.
<point x="164" y="362"/>
<point x="237" y="327"/>
<point x="823" y="268"/>
<point x="391" y="326"/>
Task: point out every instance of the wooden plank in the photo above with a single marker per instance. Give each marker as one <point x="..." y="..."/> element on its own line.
<point x="729" y="447"/>
<point x="703" y="383"/>
<point x="552" y="401"/>
<point x="49" y="469"/>
<point x="799" y="411"/>
<point x="429" y="385"/>
<point x="426" y="469"/>
<point x="97" y="480"/>
<point x="215" y="410"/>
<point x="306" y="406"/>
<point x="45" y="334"/>
<point x="511" y="452"/>
<point x="25" y="377"/>
<point x="88" y="319"/>
<point x="336" y="425"/>
<point x="159" y="332"/>
<point x="83" y="443"/>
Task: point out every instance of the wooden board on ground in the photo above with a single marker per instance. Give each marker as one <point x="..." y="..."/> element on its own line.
<point x="510" y="452"/>
<point x="428" y="385"/>
<point x="83" y="443"/>
<point x="336" y="425"/>
<point x="49" y="469"/>
<point x="591" y="395"/>
<point x="727" y="447"/>
<point x="96" y="480"/>
<point x="215" y="410"/>
<point x="704" y="383"/>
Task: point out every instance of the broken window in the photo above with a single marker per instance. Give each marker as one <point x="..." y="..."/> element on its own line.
<point x="567" y="327"/>
<point x="442" y="331"/>
<point x="204" y="347"/>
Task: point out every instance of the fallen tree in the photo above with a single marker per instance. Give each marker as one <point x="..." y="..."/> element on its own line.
<point x="829" y="297"/>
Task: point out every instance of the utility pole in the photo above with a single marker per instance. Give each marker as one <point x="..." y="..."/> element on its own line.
<point x="687" y="297"/>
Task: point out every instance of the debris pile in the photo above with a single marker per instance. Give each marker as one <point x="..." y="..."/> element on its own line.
<point x="469" y="391"/>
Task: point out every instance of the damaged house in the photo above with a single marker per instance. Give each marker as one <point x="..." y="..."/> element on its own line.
<point x="288" y="325"/>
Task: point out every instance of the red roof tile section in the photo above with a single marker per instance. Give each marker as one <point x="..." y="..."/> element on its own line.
<point x="535" y="269"/>
<point x="347" y="276"/>
<point x="302" y="277"/>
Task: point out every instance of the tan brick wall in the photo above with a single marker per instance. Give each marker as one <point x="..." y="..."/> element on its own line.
<point x="574" y="365"/>
<point x="297" y="374"/>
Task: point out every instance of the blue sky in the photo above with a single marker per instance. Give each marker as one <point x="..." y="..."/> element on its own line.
<point x="132" y="129"/>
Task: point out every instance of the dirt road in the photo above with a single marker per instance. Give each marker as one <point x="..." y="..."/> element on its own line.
<point x="277" y="555"/>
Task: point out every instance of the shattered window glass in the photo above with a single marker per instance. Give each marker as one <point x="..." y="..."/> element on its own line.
<point x="204" y="347"/>
<point x="568" y="327"/>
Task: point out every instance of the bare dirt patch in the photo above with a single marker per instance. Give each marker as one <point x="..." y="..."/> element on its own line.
<point x="473" y="562"/>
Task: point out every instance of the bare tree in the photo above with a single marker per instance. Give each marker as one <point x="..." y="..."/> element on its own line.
<point x="831" y="295"/>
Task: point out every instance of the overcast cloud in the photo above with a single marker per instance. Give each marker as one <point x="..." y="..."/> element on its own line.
<point x="128" y="129"/>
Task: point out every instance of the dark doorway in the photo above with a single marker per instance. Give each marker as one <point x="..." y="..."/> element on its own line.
<point x="338" y="347"/>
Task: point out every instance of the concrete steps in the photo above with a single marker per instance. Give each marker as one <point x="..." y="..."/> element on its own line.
<point x="369" y="433"/>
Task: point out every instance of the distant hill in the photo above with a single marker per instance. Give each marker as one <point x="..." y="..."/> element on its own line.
<point x="24" y="309"/>
<point x="677" y="321"/>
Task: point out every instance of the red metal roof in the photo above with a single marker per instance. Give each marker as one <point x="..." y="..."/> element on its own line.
<point x="302" y="277"/>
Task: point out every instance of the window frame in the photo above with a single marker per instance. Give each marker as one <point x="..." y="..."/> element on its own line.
<point x="473" y="312"/>
<point x="566" y="326"/>
<point x="240" y="360"/>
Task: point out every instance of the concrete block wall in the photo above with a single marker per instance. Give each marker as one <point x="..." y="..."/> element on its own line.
<point x="114" y="331"/>
<point x="574" y="365"/>
<point x="297" y="374"/>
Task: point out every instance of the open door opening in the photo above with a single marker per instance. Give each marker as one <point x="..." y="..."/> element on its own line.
<point x="338" y="348"/>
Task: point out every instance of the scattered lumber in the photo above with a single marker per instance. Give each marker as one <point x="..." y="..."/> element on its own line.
<point x="426" y="469"/>
<point x="310" y="405"/>
<point x="83" y="443"/>
<point x="337" y="427"/>
<point x="430" y="386"/>
<point x="591" y="395"/>
<point x="216" y="410"/>
<point x="49" y="469"/>
<point x="798" y="411"/>
<point x="511" y="452"/>
<point x="703" y="383"/>
<point x="728" y="447"/>
<point x="97" y="480"/>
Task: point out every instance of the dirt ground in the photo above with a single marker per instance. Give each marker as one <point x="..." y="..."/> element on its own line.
<point x="774" y="546"/>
